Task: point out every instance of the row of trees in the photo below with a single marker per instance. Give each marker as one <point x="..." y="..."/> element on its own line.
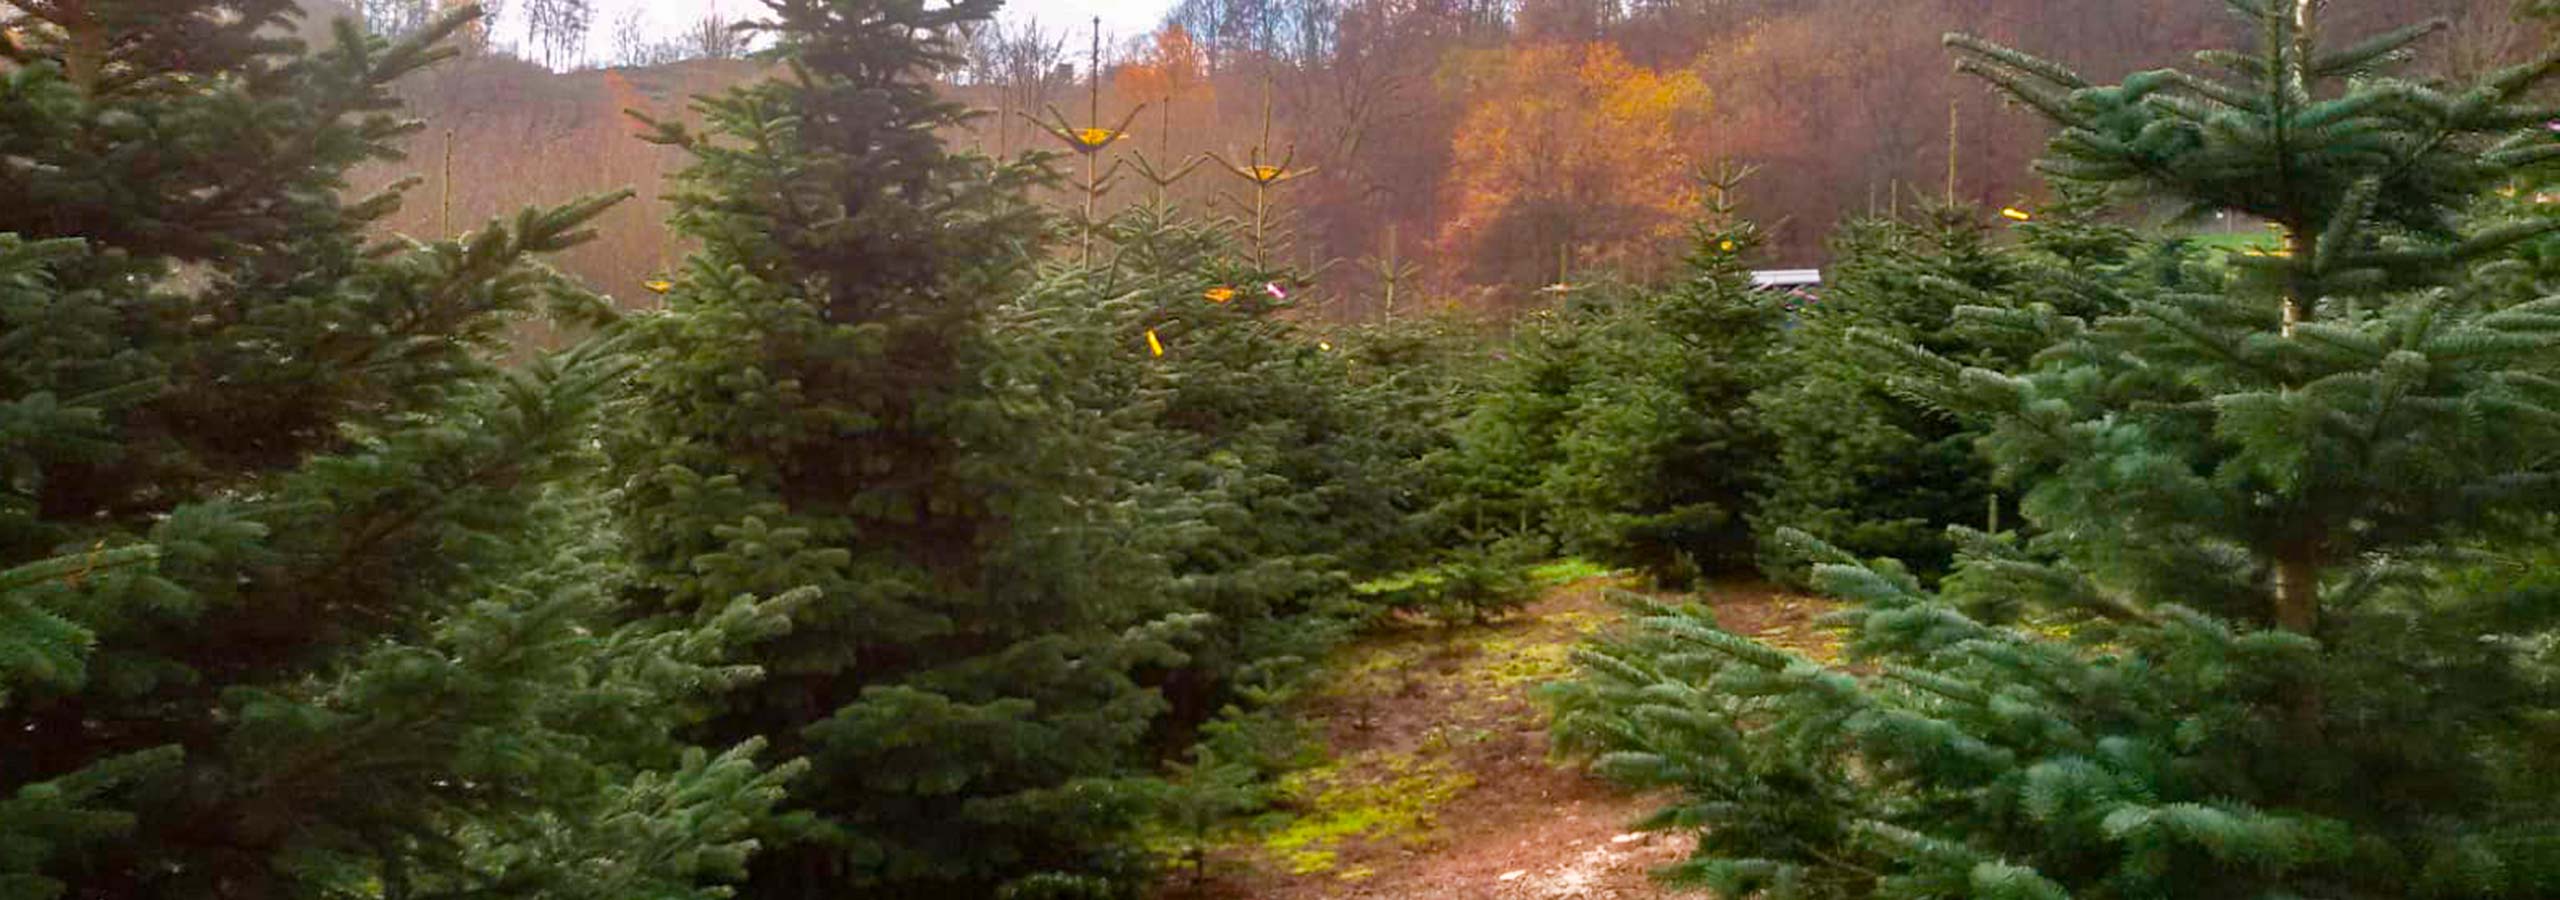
<point x="908" y="552"/>
<point x="892" y="558"/>
<point x="558" y="34"/>
<point x="2269" y="617"/>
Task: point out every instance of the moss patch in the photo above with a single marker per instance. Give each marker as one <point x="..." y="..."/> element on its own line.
<point x="1373" y="796"/>
<point x="1564" y="571"/>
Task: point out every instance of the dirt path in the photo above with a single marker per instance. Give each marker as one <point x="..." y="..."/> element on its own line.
<point x="1440" y="786"/>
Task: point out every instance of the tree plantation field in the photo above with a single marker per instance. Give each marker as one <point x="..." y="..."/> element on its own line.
<point x="1043" y="505"/>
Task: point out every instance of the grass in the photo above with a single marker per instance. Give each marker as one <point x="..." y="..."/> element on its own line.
<point x="2236" y="240"/>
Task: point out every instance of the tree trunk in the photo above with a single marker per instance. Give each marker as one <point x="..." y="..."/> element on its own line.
<point x="2297" y="592"/>
<point x="84" y="53"/>
<point x="2298" y="611"/>
<point x="2297" y="250"/>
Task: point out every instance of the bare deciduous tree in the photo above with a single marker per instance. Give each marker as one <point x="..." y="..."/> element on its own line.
<point x="1025" y="65"/>
<point x="715" y="37"/>
<point x="392" y="18"/>
<point x="634" y="45"/>
<point x="556" y="30"/>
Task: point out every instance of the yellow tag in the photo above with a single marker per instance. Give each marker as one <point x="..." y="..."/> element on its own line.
<point x="1726" y="246"/>
<point x="658" y="285"/>
<point x="1096" y="137"/>
<point x="1265" y="173"/>
<point x="2014" y="213"/>
<point x="1219" y="294"/>
<point x="1154" y="346"/>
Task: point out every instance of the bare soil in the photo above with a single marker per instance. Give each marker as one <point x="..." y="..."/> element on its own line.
<point x="1462" y="704"/>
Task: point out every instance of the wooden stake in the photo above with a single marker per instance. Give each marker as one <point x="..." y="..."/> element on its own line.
<point x="1394" y="273"/>
<point x="1954" y="128"/>
<point x="444" y="214"/>
<point x="1093" y="110"/>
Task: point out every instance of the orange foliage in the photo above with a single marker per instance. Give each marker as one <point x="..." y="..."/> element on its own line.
<point x="1172" y="68"/>
<point x="1570" y="145"/>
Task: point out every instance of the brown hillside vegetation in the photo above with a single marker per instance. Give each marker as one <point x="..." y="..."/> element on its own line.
<point x="520" y="135"/>
<point x="1448" y="132"/>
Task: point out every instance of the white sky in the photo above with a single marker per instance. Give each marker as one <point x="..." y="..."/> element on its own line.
<point x="1120" y="18"/>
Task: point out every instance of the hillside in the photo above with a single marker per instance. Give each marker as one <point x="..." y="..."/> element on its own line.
<point x="519" y="135"/>
<point x="1428" y="138"/>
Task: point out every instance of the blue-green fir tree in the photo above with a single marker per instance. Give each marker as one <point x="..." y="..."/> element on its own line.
<point x="296" y="597"/>
<point x="826" y="404"/>
<point x="1619" y="427"/>
<point x="1860" y="466"/>
<point x="1661" y="450"/>
<point x="2269" y="637"/>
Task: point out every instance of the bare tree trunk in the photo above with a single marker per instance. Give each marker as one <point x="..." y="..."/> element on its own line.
<point x="85" y="53"/>
<point x="2297" y="596"/>
<point x="2297" y="609"/>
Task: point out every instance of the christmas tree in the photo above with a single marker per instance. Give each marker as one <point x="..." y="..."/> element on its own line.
<point x="2269" y="637"/>
<point x="825" y="404"/>
<point x="1662" y="450"/>
<point x="1857" y="464"/>
<point x="296" y="598"/>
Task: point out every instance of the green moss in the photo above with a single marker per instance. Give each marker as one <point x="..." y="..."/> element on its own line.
<point x="1512" y="660"/>
<point x="1307" y="862"/>
<point x="1565" y="571"/>
<point x="1376" y="796"/>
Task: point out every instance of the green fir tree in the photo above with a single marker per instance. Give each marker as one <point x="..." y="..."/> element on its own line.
<point x="1855" y="462"/>
<point x="830" y="403"/>
<point x="2260" y="642"/>
<point x="296" y="597"/>
<point x="1620" y="428"/>
<point x="1663" y="450"/>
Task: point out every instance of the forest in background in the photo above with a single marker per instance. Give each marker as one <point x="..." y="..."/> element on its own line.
<point x="1490" y="146"/>
<point x="943" y="533"/>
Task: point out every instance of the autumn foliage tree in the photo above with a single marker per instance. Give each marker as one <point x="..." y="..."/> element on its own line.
<point x="1171" y="69"/>
<point x="1569" y="151"/>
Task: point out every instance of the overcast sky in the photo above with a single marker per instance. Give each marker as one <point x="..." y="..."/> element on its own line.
<point x="1120" y="18"/>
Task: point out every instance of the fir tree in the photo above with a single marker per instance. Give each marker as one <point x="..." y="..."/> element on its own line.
<point x="1855" y="462"/>
<point x="826" y="404"/>
<point x="1621" y="427"/>
<point x="293" y="598"/>
<point x="2329" y="404"/>
<point x="2251" y="648"/>
<point x="1663" y="450"/>
<point x="1506" y="440"/>
<point x="1269" y="466"/>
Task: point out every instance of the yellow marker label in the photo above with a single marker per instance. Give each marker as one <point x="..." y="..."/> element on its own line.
<point x="1266" y="173"/>
<point x="1726" y="246"/>
<point x="1096" y="137"/>
<point x="1219" y="294"/>
<point x="2014" y="213"/>
<point x="1154" y="346"/>
<point x="658" y="285"/>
